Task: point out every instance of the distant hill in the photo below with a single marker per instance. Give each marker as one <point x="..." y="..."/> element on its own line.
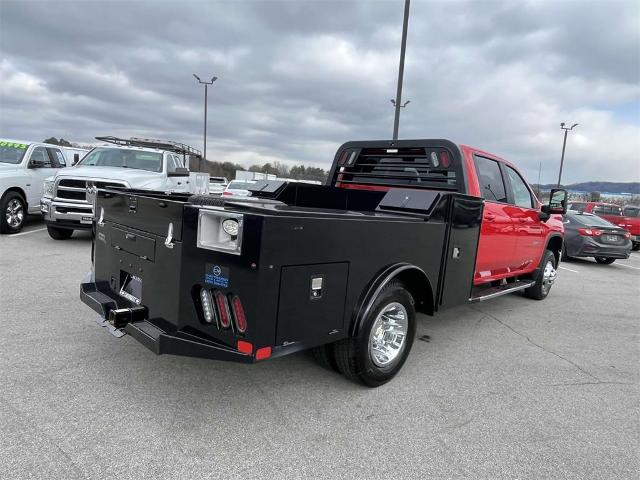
<point x="609" y="187"/>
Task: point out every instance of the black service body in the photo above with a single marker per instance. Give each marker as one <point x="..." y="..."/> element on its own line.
<point x="292" y="233"/>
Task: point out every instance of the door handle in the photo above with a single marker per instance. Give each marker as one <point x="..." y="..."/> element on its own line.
<point x="522" y="220"/>
<point x="489" y="216"/>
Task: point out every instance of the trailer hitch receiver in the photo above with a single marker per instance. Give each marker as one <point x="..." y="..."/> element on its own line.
<point x="119" y="317"/>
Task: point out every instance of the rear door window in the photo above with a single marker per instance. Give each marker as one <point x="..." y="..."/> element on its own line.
<point x="490" y="179"/>
<point x="519" y="190"/>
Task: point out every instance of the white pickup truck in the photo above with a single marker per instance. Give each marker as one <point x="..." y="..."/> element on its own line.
<point x="23" y="167"/>
<point x="65" y="205"/>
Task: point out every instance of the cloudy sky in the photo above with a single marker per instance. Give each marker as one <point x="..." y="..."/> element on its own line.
<point x="298" y="78"/>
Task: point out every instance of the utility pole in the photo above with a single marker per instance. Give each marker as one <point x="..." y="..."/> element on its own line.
<point x="206" y="85"/>
<point x="398" y="101"/>
<point x="564" y="146"/>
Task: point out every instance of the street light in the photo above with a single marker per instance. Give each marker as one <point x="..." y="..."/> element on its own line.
<point x="206" y="85"/>
<point x="403" y="46"/>
<point x="393" y="102"/>
<point x="564" y="145"/>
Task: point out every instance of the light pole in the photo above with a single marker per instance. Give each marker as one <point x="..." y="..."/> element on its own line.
<point x="206" y="85"/>
<point x="564" y="146"/>
<point x="403" y="46"/>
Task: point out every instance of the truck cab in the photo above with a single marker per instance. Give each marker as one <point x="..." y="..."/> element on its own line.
<point x="23" y="167"/>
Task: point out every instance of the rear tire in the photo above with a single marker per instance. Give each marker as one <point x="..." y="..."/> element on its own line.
<point x="13" y="211"/>
<point x="605" y="260"/>
<point x="384" y="341"/>
<point x="565" y="257"/>
<point x="325" y="356"/>
<point x="59" y="233"/>
<point x="545" y="279"/>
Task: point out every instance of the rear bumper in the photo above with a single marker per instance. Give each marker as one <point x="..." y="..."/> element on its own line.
<point x="75" y="215"/>
<point x="132" y="319"/>
<point x="589" y="248"/>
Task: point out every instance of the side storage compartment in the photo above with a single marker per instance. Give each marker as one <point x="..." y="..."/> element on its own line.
<point x="311" y="303"/>
<point x="459" y="260"/>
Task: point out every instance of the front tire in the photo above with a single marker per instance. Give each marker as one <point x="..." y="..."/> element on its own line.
<point x="384" y="341"/>
<point x="59" y="233"/>
<point x="605" y="260"/>
<point x="635" y="247"/>
<point x="13" y="211"/>
<point x="545" y="279"/>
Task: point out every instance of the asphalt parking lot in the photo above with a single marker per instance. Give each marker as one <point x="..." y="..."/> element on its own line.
<point x="509" y="388"/>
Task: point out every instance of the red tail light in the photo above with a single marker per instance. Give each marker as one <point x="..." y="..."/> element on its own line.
<point x="223" y="310"/>
<point x="227" y="193"/>
<point x="627" y="235"/>
<point x="589" y="232"/>
<point x="238" y="314"/>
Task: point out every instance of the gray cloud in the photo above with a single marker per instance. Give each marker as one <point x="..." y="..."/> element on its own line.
<point x="296" y="79"/>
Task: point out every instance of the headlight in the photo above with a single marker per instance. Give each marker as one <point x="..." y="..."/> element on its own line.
<point x="47" y="188"/>
<point x="220" y="231"/>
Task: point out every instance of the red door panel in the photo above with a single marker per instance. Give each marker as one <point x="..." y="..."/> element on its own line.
<point x="496" y="247"/>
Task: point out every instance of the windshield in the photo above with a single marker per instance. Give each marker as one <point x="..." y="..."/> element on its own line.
<point x="117" y="157"/>
<point x="12" y="152"/>
<point x="235" y="185"/>
<point x="632" y="211"/>
<point x="590" y="220"/>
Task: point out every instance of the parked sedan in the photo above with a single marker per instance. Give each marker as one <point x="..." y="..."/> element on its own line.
<point x="239" y="187"/>
<point x="588" y="235"/>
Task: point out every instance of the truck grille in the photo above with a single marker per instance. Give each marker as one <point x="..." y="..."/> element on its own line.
<point x="76" y="188"/>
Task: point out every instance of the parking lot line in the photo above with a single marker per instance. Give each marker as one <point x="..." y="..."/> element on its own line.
<point x="627" y="265"/>
<point x="27" y="233"/>
<point x="565" y="268"/>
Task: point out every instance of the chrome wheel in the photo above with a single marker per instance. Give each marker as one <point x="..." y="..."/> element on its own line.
<point x="549" y="276"/>
<point x="388" y="334"/>
<point x="14" y="213"/>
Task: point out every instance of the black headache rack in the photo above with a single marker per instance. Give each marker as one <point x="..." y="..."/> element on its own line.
<point x="421" y="164"/>
<point x="296" y="238"/>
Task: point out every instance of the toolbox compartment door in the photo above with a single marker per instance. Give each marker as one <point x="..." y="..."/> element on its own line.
<point x="140" y="245"/>
<point x="149" y="213"/>
<point x="311" y="303"/>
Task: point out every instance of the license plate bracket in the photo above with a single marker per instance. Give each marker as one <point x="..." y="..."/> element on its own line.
<point x="130" y="287"/>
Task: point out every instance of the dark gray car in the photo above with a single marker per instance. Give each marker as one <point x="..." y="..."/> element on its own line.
<point x="587" y="235"/>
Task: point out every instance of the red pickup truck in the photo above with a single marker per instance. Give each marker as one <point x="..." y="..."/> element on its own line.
<point x="627" y="217"/>
<point x="400" y="227"/>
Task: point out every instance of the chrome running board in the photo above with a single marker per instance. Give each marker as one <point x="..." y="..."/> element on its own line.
<point x="485" y="293"/>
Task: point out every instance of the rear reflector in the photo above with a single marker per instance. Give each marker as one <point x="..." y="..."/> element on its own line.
<point x="262" y="353"/>
<point x="238" y="314"/>
<point x="223" y="310"/>
<point x="627" y="235"/>
<point x="245" y="347"/>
